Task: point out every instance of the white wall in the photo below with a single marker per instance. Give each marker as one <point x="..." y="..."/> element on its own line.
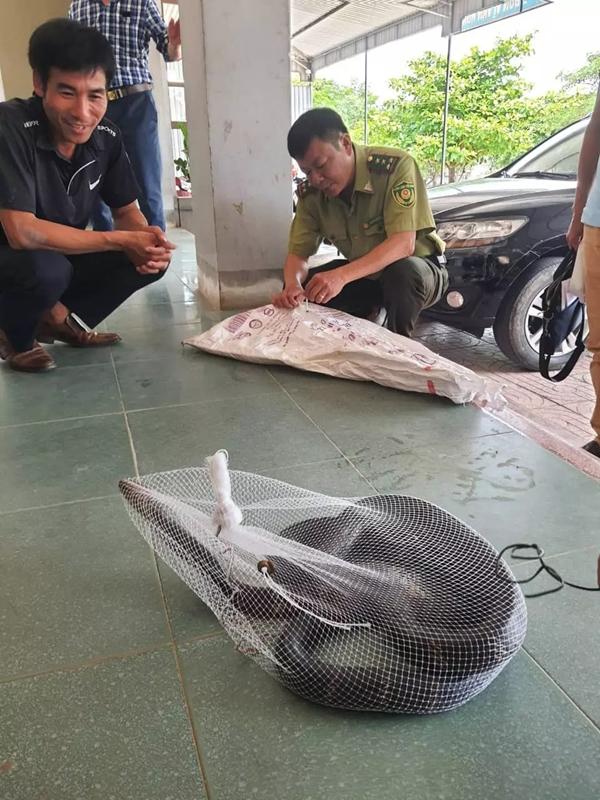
<point x="18" y="20"/>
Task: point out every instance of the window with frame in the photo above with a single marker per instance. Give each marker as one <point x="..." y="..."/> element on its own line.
<point x="177" y="109"/>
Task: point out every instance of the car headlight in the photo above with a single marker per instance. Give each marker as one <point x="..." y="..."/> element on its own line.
<point x="478" y="233"/>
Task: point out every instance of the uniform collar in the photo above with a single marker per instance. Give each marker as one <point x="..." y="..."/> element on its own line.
<point x="362" y="178"/>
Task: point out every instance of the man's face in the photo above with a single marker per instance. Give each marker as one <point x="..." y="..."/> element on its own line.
<point x="328" y="167"/>
<point x="74" y="103"/>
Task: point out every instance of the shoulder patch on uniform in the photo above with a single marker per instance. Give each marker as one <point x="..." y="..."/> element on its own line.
<point x="304" y="188"/>
<point x="404" y="194"/>
<point x="382" y="163"/>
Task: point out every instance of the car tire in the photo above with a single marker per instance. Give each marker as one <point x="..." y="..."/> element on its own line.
<point x="518" y="322"/>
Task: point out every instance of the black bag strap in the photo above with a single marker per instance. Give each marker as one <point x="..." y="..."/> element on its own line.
<point x="546" y="355"/>
<point x="551" y="298"/>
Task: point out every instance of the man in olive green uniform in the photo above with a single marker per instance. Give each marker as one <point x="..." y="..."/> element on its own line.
<point x="371" y="203"/>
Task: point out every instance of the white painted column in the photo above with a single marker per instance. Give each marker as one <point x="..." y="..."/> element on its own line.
<point x="237" y="88"/>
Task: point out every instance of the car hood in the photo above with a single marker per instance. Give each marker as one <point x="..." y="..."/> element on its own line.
<point x="488" y="195"/>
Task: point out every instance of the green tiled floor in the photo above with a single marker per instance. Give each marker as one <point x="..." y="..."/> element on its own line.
<point x="116" y="682"/>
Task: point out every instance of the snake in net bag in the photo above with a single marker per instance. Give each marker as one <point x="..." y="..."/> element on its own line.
<point x="380" y="603"/>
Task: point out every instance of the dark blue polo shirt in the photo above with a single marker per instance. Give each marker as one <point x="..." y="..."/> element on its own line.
<point x="35" y="178"/>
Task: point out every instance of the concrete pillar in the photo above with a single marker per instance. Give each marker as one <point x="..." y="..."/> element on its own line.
<point x="237" y="88"/>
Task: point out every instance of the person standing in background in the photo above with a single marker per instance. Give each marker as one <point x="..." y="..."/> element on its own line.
<point x="129" y="25"/>
<point x="584" y="231"/>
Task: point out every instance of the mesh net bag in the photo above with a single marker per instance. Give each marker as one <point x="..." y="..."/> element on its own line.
<point x="382" y="603"/>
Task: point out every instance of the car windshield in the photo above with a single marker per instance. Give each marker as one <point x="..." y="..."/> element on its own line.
<point x="551" y="159"/>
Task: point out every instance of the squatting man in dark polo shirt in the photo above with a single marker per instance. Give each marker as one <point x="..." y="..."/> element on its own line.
<point x="57" y="156"/>
<point x="371" y="204"/>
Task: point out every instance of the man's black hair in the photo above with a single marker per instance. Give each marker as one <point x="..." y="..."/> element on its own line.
<point x="322" y="123"/>
<point x="67" y="45"/>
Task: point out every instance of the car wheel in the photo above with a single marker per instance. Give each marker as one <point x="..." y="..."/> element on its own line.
<point x="519" y="321"/>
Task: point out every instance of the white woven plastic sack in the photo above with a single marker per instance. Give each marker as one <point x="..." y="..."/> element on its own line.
<point x="318" y="339"/>
<point x="383" y="603"/>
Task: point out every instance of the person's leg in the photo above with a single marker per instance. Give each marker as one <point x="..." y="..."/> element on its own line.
<point x="409" y="286"/>
<point x="137" y="119"/>
<point x="591" y="247"/>
<point x="139" y="126"/>
<point x="360" y="298"/>
<point x="101" y="282"/>
<point x="31" y="282"/>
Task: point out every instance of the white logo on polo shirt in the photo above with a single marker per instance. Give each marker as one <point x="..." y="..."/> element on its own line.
<point x="106" y="129"/>
<point x="89" y="164"/>
<point x="94" y="184"/>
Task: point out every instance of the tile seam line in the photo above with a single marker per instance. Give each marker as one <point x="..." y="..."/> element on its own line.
<point x="58" y="419"/>
<point x="173" y="643"/>
<point x="595" y="727"/>
<point x="58" y="505"/>
<point x="111" y="658"/>
<point x="340" y="451"/>
<point x="322" y="432"/>
<point x="89" y="664"/>
<point x="199" y="402"/>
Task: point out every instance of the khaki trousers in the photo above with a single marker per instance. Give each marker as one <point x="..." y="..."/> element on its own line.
<point x="404" y="288"/>
<point x="591" y="255"/>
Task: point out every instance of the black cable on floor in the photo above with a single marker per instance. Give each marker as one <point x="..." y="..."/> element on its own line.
<point x="544" y="567"/>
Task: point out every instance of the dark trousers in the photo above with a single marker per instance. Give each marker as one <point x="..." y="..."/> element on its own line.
<point x="90" y="285"/>
<point x="136" y="116"/>
<point x="404" y="288"/>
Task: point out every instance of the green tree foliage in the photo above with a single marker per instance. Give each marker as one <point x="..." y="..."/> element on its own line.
<point x="492" y="118"/>
<point x="552" y="111"/>
<point x="348" y="101"/>
<point x="586" y="77"/>
<point x="183" y="163"/>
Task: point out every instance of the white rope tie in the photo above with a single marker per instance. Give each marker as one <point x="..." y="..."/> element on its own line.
<point x="227" y="515"/>
<point x="346" y="626"/>
<point x="228" y="518"/>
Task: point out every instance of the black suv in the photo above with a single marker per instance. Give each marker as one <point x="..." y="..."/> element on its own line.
<point x="505" y="235"/>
